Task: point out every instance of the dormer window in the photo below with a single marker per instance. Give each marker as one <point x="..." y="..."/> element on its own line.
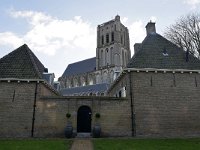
<point x="165" y="52"/>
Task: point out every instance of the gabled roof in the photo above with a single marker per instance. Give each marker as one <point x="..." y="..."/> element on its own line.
<point x="96" y="88"/>
<point x="151" y="55"/>
<point x="80" y="67"/>
<point x="21" y="63"/>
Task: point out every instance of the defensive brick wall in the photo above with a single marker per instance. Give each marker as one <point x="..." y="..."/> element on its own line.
<point x="51" y="115"/>
<point x="17" y="106"/>
<point x="165" y="104"/>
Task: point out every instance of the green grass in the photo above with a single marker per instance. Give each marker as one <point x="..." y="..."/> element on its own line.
<point x="35" y="144"/>
<point x="146" y="144"/>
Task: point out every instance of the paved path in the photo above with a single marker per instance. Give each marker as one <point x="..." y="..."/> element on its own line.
<point x="82" y="144"/>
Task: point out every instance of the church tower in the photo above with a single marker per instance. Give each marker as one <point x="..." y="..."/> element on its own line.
<point x="113" y="47"/>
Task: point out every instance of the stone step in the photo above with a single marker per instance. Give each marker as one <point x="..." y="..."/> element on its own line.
<point x="83" y="135"/>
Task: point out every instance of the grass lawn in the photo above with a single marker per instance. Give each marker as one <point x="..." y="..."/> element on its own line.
<point x="35" y="144"/>
<point x="146" y="144"/>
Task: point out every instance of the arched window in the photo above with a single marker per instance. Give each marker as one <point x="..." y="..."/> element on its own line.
<point x="111" y="54"/>
<point x="68" y="83"/>
<point x="105" y="77"/>
<point x="102" y="58"/>
<point x="112" y="36"/>
<point x="112" y="76"/>
<point x="75" y="82"/>
<point x="98" y="78"/>
<point x="123" y="57"/>
<point x="91" y="81"/>
<point x="102" y="39"/>
<point x="126" y="59"/>
<point x="117" y="59"/>
<point x="107" y="38"/>
<point x="83" y="82"/>
<point x="107" y="57"/>
<point x="123" y="91"/>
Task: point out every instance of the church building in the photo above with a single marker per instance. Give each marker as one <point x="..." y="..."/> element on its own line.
<point x="93" y="76"/>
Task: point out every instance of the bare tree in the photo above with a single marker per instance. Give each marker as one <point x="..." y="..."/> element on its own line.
<point x="185" y="33"/>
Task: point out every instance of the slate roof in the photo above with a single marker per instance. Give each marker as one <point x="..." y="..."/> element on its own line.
<point x="85" y="89"/>
<point x="80" y="67"/>
<point x="151" y="55"/>
<point x="22" y="64"/>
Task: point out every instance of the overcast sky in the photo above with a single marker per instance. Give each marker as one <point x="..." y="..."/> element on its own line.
<point x="61" y="32"/>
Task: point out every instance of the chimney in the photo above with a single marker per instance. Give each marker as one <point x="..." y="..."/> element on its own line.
<point x="136" y="47"/>
<point x="150" y="27"/>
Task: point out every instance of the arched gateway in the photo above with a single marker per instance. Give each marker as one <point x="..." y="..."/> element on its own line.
<point x="84" y="119"/>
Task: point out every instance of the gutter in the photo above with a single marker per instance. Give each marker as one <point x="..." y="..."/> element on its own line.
<point x="34" y="106"/>
<point x="133" y="125"/>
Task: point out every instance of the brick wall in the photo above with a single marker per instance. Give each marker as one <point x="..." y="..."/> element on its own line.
<point x="51" y="115"/>
<point x="16" y="109"/>
<point x="166" y="104"/>
<point x="16" y="112"/>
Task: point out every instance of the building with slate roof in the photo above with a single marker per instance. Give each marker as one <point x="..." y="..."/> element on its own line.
<point x="22" y="64"/>
<point x="23" y="80"/>
<point x="112" y="55"/>
<point x="162" y="83"/>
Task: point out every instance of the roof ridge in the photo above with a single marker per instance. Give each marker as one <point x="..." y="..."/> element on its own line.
<point x="30" y="54"/>
<point x="82" y="60"/>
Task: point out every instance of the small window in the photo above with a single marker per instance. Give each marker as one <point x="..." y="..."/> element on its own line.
<point x="112" y="36"/>
<point x="107" y="38"/>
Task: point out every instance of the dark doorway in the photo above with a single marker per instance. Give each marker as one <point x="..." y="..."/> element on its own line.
<point x="84" y="119"/>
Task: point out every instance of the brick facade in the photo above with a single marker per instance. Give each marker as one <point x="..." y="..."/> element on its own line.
<point x="165" y="104"/>
<point x="51" y="115"/>
<point x="16" y="107"/>
<point x="17" y="104"/>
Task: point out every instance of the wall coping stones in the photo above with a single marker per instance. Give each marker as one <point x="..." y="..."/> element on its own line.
<point x="29" y="81"/>
<point x="89" y="98"/>
<point x="147" y="70"/>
